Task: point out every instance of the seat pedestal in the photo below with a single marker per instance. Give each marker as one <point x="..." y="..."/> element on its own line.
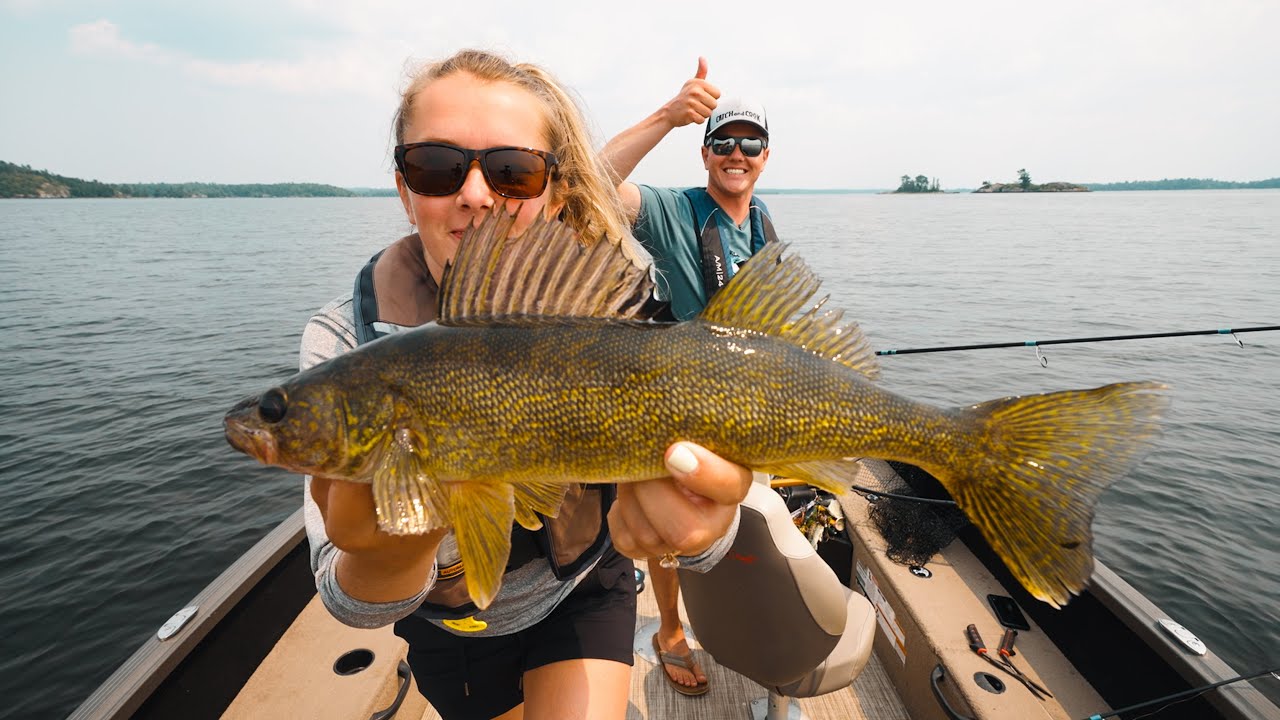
<point x="776" y="707"/>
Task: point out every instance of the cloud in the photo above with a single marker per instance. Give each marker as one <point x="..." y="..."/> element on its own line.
<point x="322" y="72"/>
<point x="1093" y="90"/>
<point x="102" y="37"/>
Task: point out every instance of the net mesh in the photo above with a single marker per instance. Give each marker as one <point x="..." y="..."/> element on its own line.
<point x="913" y="531"/>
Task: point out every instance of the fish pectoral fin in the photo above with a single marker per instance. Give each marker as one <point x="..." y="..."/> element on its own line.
<point x="407" y="500"/>
<point x="537" y="497"/>
<point x="834" y="476"/>
<point x="482" y="514"/>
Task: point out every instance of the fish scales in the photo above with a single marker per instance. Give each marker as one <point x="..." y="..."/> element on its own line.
<point x="556" y="403"/>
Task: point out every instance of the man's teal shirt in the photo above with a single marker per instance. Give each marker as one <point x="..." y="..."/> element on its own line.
<point x="667" y="227"/>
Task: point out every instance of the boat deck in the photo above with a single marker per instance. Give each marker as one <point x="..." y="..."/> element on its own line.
<point x="298" y="671"/>
<point x="921" y="658"/>
<point x="871" y="697"/>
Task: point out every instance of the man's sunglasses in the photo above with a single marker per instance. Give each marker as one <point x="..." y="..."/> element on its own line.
<point x="750" y="146"/>
<point x="432" y="168"/>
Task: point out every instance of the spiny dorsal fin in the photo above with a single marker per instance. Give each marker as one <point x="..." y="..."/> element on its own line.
<point x="767" y="293"/>
<point x="546" y="272"/>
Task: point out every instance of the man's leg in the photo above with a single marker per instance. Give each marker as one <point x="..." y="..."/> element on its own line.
<point x="666" y="590"/>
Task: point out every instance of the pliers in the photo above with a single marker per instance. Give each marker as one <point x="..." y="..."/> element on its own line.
<point x="1005" y="664"/>
<point x="1006" y="651"/>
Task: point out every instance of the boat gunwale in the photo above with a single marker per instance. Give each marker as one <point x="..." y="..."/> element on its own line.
<point x="135" y="681"/>
<point x="1140" y="615"/>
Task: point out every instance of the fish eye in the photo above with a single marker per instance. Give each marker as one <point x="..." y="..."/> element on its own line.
<point x="273" y="405"/>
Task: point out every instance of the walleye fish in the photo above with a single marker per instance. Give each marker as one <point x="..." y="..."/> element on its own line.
<point x="543" y="370"/>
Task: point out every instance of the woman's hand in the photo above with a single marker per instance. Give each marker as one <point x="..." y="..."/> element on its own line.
<point x="375" y="566"/>
<point x="683" y="514"/>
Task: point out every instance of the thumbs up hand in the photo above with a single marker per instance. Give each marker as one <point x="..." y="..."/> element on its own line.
<point x="695" y="101"/>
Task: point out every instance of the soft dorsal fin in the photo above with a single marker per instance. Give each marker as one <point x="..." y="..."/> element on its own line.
<point x="547" y="272"/>
<point x="765" y="297"/>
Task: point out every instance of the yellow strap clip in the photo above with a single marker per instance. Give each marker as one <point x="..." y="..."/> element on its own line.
<point x="467" y="624"/>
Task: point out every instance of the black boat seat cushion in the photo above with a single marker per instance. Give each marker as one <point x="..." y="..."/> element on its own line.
<point x="773" y="611"/>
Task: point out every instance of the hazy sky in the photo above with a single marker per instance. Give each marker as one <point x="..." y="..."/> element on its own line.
<point x="858" y="94"/>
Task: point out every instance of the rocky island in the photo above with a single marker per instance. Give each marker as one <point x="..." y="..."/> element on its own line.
<point x="1024" y="184"/>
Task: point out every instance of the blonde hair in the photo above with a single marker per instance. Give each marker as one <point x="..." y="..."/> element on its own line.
<point x="591" y="203"/>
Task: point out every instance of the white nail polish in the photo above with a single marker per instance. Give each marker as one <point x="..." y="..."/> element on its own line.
<point x="682" y="460"/>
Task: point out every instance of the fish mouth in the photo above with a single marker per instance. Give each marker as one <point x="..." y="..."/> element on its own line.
<point x="239" y="428"/>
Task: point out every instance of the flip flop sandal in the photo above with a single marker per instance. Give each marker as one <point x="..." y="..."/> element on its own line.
<point x="682" y="661"/>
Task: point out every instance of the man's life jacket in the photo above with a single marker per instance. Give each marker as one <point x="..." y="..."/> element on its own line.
<point x="716" y="270"/>
<point x="569" y="542"/>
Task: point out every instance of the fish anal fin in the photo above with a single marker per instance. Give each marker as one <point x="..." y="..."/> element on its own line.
<point x="833" y="476"/>
<point x="482" y="514"/>
<point x="537" y="497"/>
<point x="527" y="518"/>
<point x="407" y="501"/>
<point x="767" y="296"/>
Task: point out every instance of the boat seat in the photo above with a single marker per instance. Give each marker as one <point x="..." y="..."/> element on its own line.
<point x="773" y="610"/>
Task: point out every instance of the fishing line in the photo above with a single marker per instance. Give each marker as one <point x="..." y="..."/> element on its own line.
<point x="1185" y="693"/>
<point x="1067" y="341"/>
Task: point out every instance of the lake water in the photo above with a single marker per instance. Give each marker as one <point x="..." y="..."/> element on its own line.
<point x="131" y="326"/>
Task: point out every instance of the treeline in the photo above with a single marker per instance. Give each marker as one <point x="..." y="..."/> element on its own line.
<point x="214" y="190"/>
<point x="918" y="184"/>
<point x="1186" y="184"/>
<point x="21" y="181"/>
<point x="373" y="192"/>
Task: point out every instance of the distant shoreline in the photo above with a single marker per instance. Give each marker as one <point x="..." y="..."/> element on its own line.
<point x="23" y="182"/>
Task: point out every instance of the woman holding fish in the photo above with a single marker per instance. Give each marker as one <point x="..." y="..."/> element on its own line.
<point x="511" y="419"/>
<point x="477" y="135"/>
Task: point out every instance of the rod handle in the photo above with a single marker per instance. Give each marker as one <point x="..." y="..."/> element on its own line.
<point x="975" y="640"/>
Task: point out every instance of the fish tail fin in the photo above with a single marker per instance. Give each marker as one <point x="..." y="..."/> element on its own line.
<point x="1036" y="468"/>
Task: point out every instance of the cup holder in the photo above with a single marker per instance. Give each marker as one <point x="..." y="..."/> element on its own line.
<point x="353" y="662"/>
<point x="989" y="682"/>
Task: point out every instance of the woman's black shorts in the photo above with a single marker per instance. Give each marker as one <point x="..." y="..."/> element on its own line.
<point x="477" y="678"/>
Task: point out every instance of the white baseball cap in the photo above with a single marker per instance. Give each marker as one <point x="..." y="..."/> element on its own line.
<point x="731" y="110"/>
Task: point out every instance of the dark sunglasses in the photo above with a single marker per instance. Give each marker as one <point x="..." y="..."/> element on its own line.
<point x="432" y="168"/>
<point x="750" y="146"/>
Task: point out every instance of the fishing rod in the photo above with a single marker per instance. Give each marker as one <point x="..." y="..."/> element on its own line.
<point x="1185" y="693"/>
<point x="1044" y="361"/>
<point x="1066" y="341"/>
